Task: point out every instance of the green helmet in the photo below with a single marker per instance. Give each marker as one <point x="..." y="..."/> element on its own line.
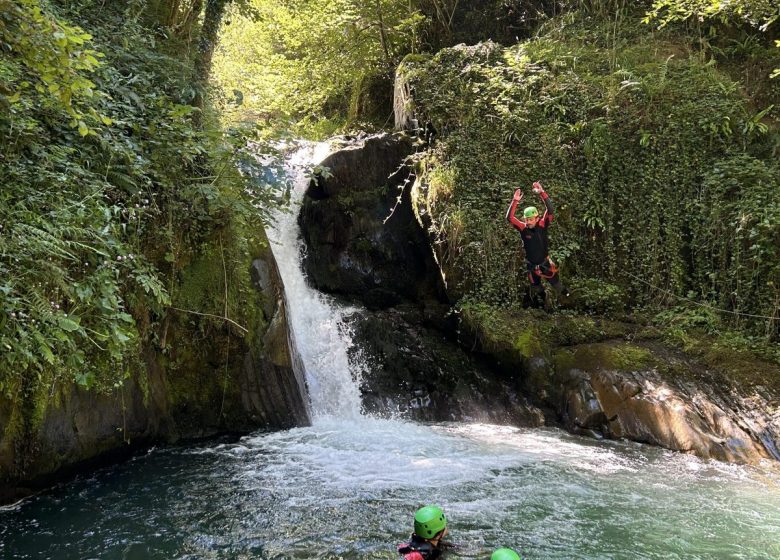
<point x="428" y="521"/>
<point x="530" y="212"/>
<point x="505" y="554"/>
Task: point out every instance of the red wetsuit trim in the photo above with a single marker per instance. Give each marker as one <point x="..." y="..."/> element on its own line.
<point x="510" y="216"/>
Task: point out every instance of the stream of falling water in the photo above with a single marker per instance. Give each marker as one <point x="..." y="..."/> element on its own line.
<point x="316" y="323"/>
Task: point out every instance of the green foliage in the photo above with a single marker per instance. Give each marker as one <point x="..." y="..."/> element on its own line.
<point x="328" y="65"/>
<point x="509" y="331"/>
<point x="736" y="262"/>
<point x="701" y="330"/>
<point x="761" y="14"/>
<point x="312" y="60"/>
<point x="497" y="331"/>
<point x="53" y="57"/>
<point x="96" y="227"/>
<point x="663" y="174"/>
<point x="597" y="295"/>
<point x="776" y="71"/>
<point x="689" y="318"/>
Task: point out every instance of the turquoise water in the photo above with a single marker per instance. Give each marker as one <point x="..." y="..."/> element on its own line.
<point x="347" y="489"/>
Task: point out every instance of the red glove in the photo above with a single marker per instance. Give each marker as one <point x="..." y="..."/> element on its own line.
<point x="537" y="188"/>
<point x="518" y="195"/>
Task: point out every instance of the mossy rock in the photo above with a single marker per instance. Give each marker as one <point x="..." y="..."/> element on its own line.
<point x="618" y="356"/>
<point x="519" y="334"/>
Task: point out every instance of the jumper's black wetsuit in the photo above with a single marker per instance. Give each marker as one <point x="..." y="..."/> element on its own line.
<point x="418" y="549"/>
<point x="537" y="259"/>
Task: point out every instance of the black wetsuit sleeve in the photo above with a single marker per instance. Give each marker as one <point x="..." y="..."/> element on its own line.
<point x="548" y="204"/>
<point x="549" y="211"/>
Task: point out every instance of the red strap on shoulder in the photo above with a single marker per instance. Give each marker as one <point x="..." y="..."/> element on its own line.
<point x="413" y="556"/>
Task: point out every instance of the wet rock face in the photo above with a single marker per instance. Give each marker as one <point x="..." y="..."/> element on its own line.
<point x="272" y="389"/>
<point x="360" y="242"/>
<point x="709" y="419"/>
<point x="413" y="371"/>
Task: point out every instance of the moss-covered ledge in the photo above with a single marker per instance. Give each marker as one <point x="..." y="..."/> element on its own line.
<point x="611" y="379"/>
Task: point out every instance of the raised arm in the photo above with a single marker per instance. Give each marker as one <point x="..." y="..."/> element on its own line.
<point x="547" y="218"/>
<point x="510" y="213"/>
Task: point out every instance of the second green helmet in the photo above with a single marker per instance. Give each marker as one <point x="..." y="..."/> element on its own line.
<point x="505" y="554"/>
<point x="428" y="521"/>
<point x="530" y="212"/>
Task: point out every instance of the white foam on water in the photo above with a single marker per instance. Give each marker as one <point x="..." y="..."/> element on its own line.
<point x="567" y="493"/>
<point x="347" y="485"/>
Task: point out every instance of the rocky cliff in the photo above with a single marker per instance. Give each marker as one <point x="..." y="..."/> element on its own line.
<point x="426" y="360"/>
<point x="362" y="236"/>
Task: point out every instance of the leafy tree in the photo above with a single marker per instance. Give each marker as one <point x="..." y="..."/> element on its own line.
<point x="308" y="59"/>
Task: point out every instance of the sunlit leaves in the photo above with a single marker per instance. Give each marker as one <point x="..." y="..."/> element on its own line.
<point x="56" y="55"/>
<point x="310" y="58"/>
<point x="761" y="14"/>
<point x="97" y="193"/>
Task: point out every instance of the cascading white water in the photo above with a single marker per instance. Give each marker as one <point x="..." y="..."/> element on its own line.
<point x="317" y="326"/>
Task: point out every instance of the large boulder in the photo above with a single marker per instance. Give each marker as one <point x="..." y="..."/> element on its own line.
<point x="609" y="379"/>
<point x="412" y="370"/>
<point x="653" y="395"/>
<point x="362" y="238"/>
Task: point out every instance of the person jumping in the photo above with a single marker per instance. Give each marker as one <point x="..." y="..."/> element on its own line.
<point x="533" y="231"/>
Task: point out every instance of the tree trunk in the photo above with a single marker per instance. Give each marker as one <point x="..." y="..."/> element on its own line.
<point x="383" y="32"/>
<point x="207" y="42"/>
<point x="190" y="19"/>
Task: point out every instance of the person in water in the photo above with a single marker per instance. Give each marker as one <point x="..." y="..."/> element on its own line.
<point x="505" y="554"/>
<point x="430" y="527"/>
<point x="533" y="232"/>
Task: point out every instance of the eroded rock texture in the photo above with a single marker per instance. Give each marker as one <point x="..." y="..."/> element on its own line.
<point x="667" y="401"/>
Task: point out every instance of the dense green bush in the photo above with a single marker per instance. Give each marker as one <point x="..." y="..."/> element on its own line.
<point x="665" y="176"/>
<point x="109" y="190"/>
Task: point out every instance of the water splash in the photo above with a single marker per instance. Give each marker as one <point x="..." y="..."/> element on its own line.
<point x="347" y="489"/>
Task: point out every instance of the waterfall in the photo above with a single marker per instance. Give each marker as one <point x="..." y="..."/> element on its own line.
<point x="317" y="327"/>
